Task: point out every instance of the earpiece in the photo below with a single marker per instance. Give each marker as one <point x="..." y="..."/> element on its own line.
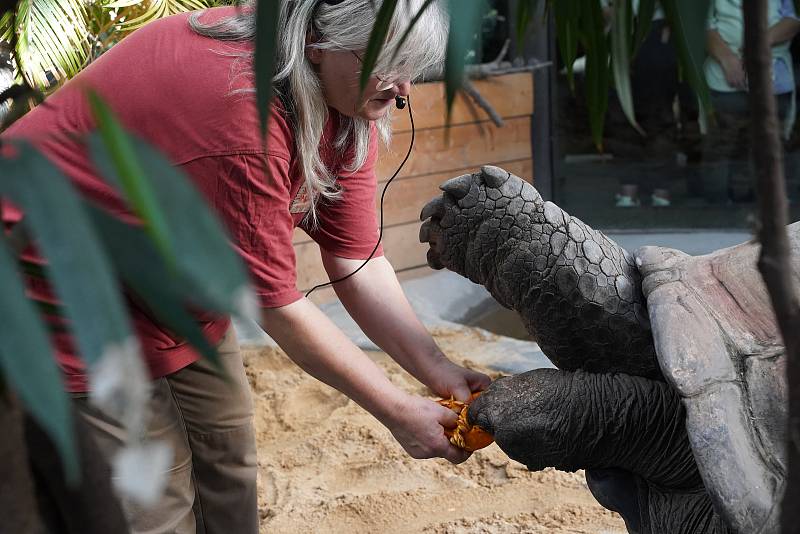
<point x="399" y="102"/>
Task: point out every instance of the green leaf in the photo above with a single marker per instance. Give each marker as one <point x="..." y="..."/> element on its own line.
<point x="465" y="21"/>
<point x="131" y="181"/>
<point x="28" y="364"/>
<point x="7" y="26"/>
<point x="621" y="58"/>
<point x="644" y="21"/>
<point x="122" y="3"/>
<point x="156" y="9"/>
<point x="202" y="252"/>
<point x="264" y="57"/>
<point x="52" y="37"/>
<point x="594" y="42"/>
<point x="76" y="264"/>
<point x="148" y="278"/>
<point x="35" y="270"/>
<point x="525" y="10"/>
<point x="687" y="19"/>
<point x="568" y="16"/>
<point x="377" y="38"/>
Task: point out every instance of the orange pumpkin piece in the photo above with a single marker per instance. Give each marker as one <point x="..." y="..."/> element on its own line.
<point x="465" y="436"/>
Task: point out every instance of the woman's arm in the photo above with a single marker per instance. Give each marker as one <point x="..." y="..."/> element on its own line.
<point x="374" y="299"/>
<point x="782" y="31"/>
<point x="314" y="343"/>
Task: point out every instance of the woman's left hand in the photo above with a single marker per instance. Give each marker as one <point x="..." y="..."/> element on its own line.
<point x="447" y="379"/>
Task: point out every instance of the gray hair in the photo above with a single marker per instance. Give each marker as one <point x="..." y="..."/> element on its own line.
<point x="343" y="26"/>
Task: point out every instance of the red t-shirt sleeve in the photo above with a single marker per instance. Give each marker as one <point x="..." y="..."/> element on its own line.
<point x="348" y="226"/>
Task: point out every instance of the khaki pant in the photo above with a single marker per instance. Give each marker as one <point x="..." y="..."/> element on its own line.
<point x="209" y="424"/>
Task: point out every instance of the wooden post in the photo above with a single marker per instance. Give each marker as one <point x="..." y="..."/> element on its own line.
<point x="774" y="262"/>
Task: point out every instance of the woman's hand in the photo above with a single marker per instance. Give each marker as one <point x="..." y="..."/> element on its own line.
<point x="729" y="60"/>
<point x="735" y="75"/>
<point x="447" y="379"/>
<point x="418" y="426"/>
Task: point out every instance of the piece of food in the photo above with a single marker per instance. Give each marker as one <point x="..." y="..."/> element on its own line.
<point x="465" y="436"/>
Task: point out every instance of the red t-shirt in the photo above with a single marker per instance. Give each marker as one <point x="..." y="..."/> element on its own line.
<point x="177" y="90"/>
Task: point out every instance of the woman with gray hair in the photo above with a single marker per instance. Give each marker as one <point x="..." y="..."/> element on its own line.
<point x="185" y="84"/>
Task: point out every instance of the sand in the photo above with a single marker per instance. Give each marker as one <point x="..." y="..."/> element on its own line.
<point x="326" y="466"/>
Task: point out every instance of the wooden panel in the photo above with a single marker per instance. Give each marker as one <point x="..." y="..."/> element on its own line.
<point x="473" y="140"/>
<point x="469" y="145"/>
<point x="406" y="196"/>
<point x="511" y="95"/>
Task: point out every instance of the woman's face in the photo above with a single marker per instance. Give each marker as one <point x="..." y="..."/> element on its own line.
<point x="339" y="72"/>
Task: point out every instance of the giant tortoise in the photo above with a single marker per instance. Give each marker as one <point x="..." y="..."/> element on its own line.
<point x="670" y="389"/>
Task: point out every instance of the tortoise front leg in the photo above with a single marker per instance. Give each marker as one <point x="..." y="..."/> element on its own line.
<point x="627" y="432"/>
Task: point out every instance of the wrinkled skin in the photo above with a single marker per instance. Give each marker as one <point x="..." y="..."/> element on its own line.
<point x="626" y="431"/>
<point x="577" y="291"/>
<point x="608" y="409"/>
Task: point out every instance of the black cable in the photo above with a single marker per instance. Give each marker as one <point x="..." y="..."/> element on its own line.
<point x="383" y="194"/>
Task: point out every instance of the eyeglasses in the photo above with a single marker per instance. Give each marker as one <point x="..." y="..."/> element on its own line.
<point x="385" y="81"/>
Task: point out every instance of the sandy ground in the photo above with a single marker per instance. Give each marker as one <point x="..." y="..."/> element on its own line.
<point x="326" y="466"/>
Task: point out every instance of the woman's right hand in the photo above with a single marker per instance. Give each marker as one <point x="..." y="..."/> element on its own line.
<point x="735" y="75"/>
<point x="418" y="426"/>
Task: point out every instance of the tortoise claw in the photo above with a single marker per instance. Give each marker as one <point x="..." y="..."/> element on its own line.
<point x="433" y="260"/>
<point x="434" y="207"/>
<point x="425" y="232"/>
<point x="458" y="187"/>
<point x="494" y="176"/>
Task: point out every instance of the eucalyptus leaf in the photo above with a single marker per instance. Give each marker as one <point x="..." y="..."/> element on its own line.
<point x="27" y="360"/>
<point x="149" y="279"/>
<point x="76" y="264"/>
<point x="377" y="38"/>
<point x="131" y="180"/>
<point x="203" y="255"/>
<point x="264" y="56"/>
<point x="465" y="21"/>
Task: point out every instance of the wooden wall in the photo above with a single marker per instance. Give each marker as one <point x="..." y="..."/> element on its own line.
<point x="473" y="141"/>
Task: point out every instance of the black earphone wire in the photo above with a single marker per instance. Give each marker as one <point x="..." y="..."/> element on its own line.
<point x="383" y="194"/>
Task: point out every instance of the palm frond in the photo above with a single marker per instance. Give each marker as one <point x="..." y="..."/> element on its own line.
<point x="155" y="9"/>
<point x="52" y="40"/>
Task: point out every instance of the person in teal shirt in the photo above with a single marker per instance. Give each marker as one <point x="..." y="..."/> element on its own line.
<point x="724" y="67"/>
<point x="726" y="143"/>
